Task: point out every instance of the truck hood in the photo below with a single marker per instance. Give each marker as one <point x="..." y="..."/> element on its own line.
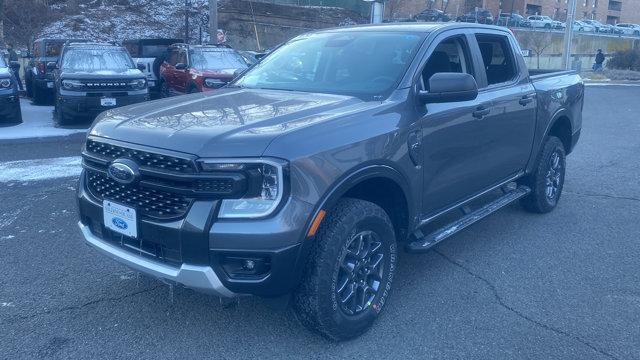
<point x="4" y="72"/>
<point x="229" y="122"/>
<point x="101" y="74"/>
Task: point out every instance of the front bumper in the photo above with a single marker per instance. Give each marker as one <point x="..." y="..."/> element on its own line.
<point x="199" y="247"/>
<point x="9" y="103"/>
<point x="201" y="278"/>
<point x="89" y="104"/>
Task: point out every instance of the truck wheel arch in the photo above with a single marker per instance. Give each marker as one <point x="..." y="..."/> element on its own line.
<point x="562" y="128"/>
<point x="359" y="184"/>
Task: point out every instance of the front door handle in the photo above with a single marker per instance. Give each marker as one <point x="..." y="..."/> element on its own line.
<point x="481" y="112"/>
<point x="526" y="100"/>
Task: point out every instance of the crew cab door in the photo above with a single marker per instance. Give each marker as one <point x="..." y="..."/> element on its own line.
<point x="454" y="151"/>
<point x="168" y="70"/>
<point x="507" y="131"/>
<point x="181" y="76"/>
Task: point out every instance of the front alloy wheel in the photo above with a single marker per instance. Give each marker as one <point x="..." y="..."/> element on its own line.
<point x="349" y="272"/>
<point x="361" y="273"/>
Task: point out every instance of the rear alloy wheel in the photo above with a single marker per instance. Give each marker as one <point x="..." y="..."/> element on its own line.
<point x="350" y="271"/>
<point x="547" y="181"/>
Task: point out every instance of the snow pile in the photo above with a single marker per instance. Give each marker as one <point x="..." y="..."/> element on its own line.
<point x="37" y="123"/>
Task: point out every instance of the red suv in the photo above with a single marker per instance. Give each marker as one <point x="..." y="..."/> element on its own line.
<point x="197" y="68"/>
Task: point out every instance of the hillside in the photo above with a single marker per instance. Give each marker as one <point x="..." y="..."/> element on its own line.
<point x="243" y="21"/>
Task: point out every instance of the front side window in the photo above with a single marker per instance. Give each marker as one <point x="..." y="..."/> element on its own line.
<point x="451" y="55"/>
<point x="2" y="63"/>
<point x="53" y="49"/>
<point x="173" y="58"/>
<point x="97" y="59"/>
<point x="361" y="64"/>
<point x="497" y="57"/>
<point x="216" y="59"/>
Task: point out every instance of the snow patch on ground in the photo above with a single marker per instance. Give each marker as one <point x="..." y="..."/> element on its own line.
<point x="37" y="123"/>
<point x="40" y="169"/>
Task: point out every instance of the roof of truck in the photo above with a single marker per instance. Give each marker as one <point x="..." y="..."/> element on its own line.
<point x="424" y="27"/>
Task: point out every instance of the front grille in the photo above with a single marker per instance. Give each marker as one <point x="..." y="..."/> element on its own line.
<point x="104" y="85"/>
<point x="110" y="152"/>
<point x="148" y="202"/>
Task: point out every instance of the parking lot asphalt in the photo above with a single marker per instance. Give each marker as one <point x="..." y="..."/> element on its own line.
<point x="565" y="285"/>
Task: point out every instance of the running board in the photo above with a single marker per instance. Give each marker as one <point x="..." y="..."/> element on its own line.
<point x="425" y="242"/>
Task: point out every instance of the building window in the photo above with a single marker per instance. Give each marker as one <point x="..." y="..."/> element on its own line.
<point x="533" y="9"/>
<point x="615" y="5"/>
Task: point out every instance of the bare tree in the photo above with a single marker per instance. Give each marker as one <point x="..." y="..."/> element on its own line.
<point x="24" y="19"/>
<point x="536" y="41"/>
<point x="392" y="8"/>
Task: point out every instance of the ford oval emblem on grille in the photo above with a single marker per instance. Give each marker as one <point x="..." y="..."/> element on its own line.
<point x="123" y="171"/>
<point x="119" y="223"/>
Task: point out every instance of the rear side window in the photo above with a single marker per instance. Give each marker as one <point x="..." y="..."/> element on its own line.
<point x="497" y="55"/>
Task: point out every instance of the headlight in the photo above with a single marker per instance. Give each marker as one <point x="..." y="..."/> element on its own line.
<point x="138" y="84"/>
<point x="214" y="83"/>
<point x="264" y="191"/>
<point x="71" y="84"/>
<point x="5" y="83"/>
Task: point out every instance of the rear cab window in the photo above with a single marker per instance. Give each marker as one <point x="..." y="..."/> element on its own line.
<point x="498" y="58"/>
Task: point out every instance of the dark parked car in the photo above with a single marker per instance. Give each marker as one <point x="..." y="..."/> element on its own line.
<point x="37" y="77"/>
<point x="93" y="77"/>
<point x="512" y="20"/>
<point x="9" y="97"/>
<point x="151" y="53"/>
<point x="477" y="16"/>
<point x="199" y="68"/>
<point x="308" y="173"/>
<point x="433" y="15"/>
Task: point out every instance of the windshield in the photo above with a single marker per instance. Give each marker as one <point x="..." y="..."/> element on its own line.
<point x="97" y="59"/>
<point x="354" y="63"/>
<point x="216" y="59"/>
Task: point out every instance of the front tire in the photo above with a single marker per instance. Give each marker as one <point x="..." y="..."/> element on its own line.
<point x="547" y="181"/>
<point x="350" y="271"/>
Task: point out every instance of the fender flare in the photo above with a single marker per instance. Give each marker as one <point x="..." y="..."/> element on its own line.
<point x="358" y="175"/>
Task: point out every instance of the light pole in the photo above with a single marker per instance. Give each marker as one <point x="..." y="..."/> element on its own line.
<point x="187" y="6"/>
<point x="568" y="34"/>
<point x="377" y="10"/>
<point x="213" y="21"/>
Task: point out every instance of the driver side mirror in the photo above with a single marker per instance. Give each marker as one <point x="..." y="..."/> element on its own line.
<point x="52" y="65"/>
<point x="450" y="87"/>
<point x="181" y="66"/>
<point x="141" y="67"/>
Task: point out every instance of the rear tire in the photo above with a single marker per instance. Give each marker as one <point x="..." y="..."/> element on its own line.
<point x="547" y="181"/>
<point x="164" y="89"/>
<point x="350" y="271"/>
<point x="39" y="97"/>
<point x="60" y="118"/>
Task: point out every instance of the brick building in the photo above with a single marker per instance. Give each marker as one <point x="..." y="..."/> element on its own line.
<point x="606" y="11"/>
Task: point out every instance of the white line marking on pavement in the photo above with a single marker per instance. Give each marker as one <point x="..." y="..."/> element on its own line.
<point x="40" y="169"/>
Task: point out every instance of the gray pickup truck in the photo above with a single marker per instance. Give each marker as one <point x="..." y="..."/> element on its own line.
<point x="300" y="180"/>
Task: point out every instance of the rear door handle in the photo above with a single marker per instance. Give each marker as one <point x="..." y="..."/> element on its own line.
<point x="526" y="100"/>
<point x="481" y="112"/>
